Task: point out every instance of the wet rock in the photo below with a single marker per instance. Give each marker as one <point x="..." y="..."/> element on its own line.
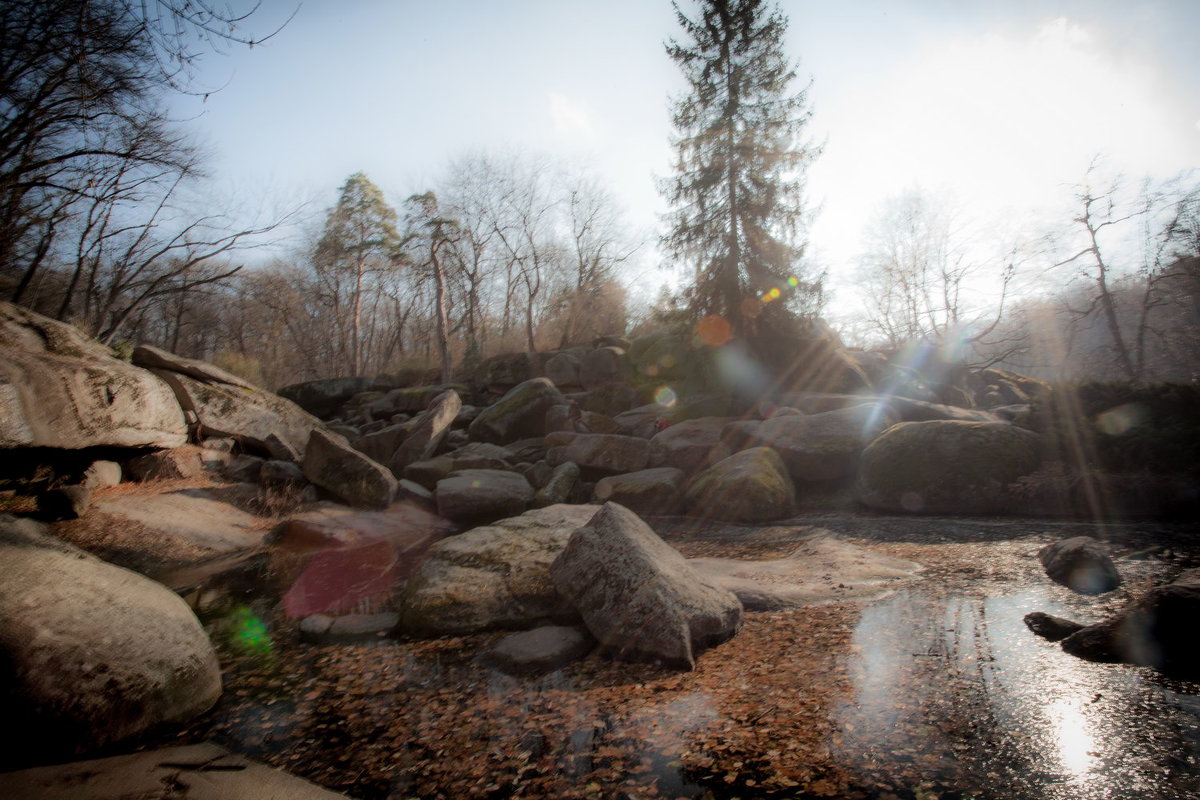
<point x="495" y="576"/>
<point x="426" y="431"/>
<point x="1080" y="563"/>
<point x="347" y="628"/>
<point x="540" y="650"/>
<point x="824" y="446"/>
<point x="93" y="653"/>
<point x="65" y="502"/>
<point x="602" y="453"/>
<point x="558" y="487"/>
<point x="647" y="491"/>
<point x="481" y="495"/>
<point x="638" y="596"/>
<point x="175" y="464"/>
<point x="1051" y="627"/>
<point x="330" y="462"/>
<point x="519" y="414"/>
<point x="947" y="467"/>
<point x="691" y="445"/>
<point x="750" y="486"/>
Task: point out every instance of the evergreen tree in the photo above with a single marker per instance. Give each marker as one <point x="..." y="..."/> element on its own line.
<point x="738" y="213"/>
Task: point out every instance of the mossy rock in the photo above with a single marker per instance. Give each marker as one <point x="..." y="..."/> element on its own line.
<point x="750" y="486"/>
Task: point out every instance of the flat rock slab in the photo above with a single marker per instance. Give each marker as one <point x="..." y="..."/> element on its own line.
<point x="197" y="516"/>
<point x="201" y="771"/>
<point x="820" y="570"/>
<point x="541" y="650"/>
<point x="348" y="628"/>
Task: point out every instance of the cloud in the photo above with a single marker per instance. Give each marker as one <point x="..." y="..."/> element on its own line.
<point x="570" y="117"/>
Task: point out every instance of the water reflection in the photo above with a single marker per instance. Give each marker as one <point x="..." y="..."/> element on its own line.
<point x="952" y="691"/>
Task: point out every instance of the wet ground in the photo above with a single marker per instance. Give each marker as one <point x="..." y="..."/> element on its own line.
<point x="937" y="690"/>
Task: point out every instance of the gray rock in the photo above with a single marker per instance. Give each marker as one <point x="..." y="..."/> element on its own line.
<point x="519" y="414"/>
<point x="563" y="369"/>
<point x="647" y="491"/>
<point x="282" y="450"/>
<point x="481" y="495"/>
<point x="93" y="653"/>
<point x="602" y="453"/>
<point x="425" y="433"/>
<point x="603" y="366"/>
<point x="645" y="421"/>
<point x="347" y="628"/>
<point x="174" y="464"/>
<point x="1080" y="563"/>
<point x="323" y="397"/>
<point x="823" y="446"/>
<point x="380" y="445"/>
<point x="244" y="468"/>
<point x="540" y="650"/>
<point x="411" y="490"/>
<point x="558" y="488"/>
<point x="154" y="358"/>
<point x="538" y="474"/>
<point x="750" y="486"/>
<point x="691" y="445"/>
<point x="281" y="475"/>
<point x="638" y="596"/>
<point x="330" y="462"/>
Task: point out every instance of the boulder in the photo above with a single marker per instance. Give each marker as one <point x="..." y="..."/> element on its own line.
<point x="638" y="596"/>
<point x="540" y="650"/>
<point x="426" y="431"/>
<point x="691" y="445"/>
<point x="154" y="358"/>
<point x="282" y="476"/>
<point x="563" y="370"/>
<point x="178" y="463"/>
<point x="322" y="398"/>
<point x="92" y="653"/>
<point x="602" y="366"/>
<point x="519" y="414"/>
<point x="823" y="446"/>
<point x="750" y="486"/>
<point x="347" y="628"/>
<point x="102" y="474"/>
<point x="1080" y="563"/>
<point x="1051" y="627"/>
<point x="60" y="389"/>
<point x="558" y="486"/>
<point x="645" y="421"/>
<point x="331" y="463"/>
<point x="602" y="453"/>
<point x="496" y="576"/>
<point x="379" y="445"/>
<point x="481" y="495"/>
<point x="947" y="467"/>
<point x="418" y="398"/>
<point x="647" y="491"/>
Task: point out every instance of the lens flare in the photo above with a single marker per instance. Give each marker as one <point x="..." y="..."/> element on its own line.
<point x="714" y="330"/>
<point x="248" y="633"/>
<point x="793" y="282"/>
<point x="1122" y="419"/>
<point x="665" y="396"/>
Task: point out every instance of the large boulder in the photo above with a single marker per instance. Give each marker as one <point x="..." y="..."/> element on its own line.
<point x="92" y="653"/>
<point x="145" y="355"/>
<point x="750" y="486"/>
<point x="1080" y="563"/>
<point x="557" y="488"/>
<point x="481" y="495"/>
<point x="324" y="397"/>
<point x="331" y="463"/>
<point x="563" y="369"/>
<point x="60" y="389"/>
<point x="605" y="453"/>
<point x="946" y="467"/>
<point x="638" y="596"/>
<point x="822" y="446"/>
<point x="496" y="576"/>
<point x="691" y="445"/>
<point x="425" y="433"/>
<point x="602" y="366"/>
<point x="519" y="414"/>
<point x="647" y="491"/>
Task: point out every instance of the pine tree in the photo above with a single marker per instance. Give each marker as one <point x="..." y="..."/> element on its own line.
<point x="738" y="213"/>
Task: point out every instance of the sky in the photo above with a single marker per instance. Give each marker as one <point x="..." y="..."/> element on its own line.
<point x="998" y="105"/>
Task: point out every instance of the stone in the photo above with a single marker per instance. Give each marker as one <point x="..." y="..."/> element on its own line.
<point x="563" y="370"/>
<point x="347" y="628"/>
<point x="1051" y="627"/>
<point x="645" y="421"/>
<point x="411" y="490"/>
<point x="691" y="445"/>
<point x="538" y="474"/>
<point x="330" y="463"/>
<point x="199" y="521"/>
<point x="244" y="468"/>
<point x="102" y="474"/>
<point x="540" y="650"/>
<point x="558" y="487"/>
<point x="825" y="446"/>
<point x="281" y="450"/>
<point x="750" y="486"/>
<point x="947" y="467"/>
<point x="638" y="596"/>
<point x="1080" y="563"/>
<point x="150" y="357"/>
<point x="482" y="495"/>
<point x="382" y="444"/>
<point x="647" y="491"/>
<point x="519" y="414"/>
<point x="283" y="475"/>
<point x="602" y="453"/>
<point x="603" y="366"/>
<point x="493" y="577"/>
<point x="178" y="463"/>
<point x="415" y="399"/>
<point x="322" y="398"/>
<point x="60" y="389"/>
<point x="93" y="653"/>
<point x="426" y="431"/>
<point x="64" y="502"/>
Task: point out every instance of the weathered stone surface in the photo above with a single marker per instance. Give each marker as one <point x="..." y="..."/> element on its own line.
<point x="558" y="486"/>
<point x="481" y="495"/>
<point x="199" y="518"/>
<point x="347" y="628"/>
<point x="638" y="596"/>
<point x="540" y="650"/>
<point x="331" y="463"/>
<point x="283" y="475"/>
<point x="174" y="464"/>
<point x="323" y="397"/>
<point x="248" y="415"/>
<point x="946" y="467"/>
<point x="602" y="453"/>
<point x="425" y="433"/>
<point x="647" y="491"/>
<point x="1051" y="627"/>
<point x="691" y="445"/>
<point x="244" y="468"/>
<point x="496" y="576"/>
<point x="750" y="486"/>
<point x="563" y="370"/>
<point x="645" y="421"/>
<point x="519" y="414"/>
<point x="1080" y="563"/>
<point x="93" y="653"/>
<point x="102" y="474"/>
<point x="823" y="446"/>
<point x="381" y="444"/>
<point x="150" y="357"/>
<point x="60" y="389"/>
<point x="603" y="366"/>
